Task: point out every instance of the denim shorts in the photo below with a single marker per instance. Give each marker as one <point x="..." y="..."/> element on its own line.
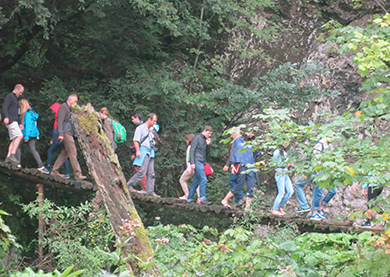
<point x="14" y="130"/>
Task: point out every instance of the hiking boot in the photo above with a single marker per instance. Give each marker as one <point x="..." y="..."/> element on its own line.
<point x="204" y="202"/>
<point x="303" y="210"/>
<point x="316" y="217"/>
<point x="44" y="171"/>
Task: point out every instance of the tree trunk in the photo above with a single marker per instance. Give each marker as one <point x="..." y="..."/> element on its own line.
<point x="105" y="169"/>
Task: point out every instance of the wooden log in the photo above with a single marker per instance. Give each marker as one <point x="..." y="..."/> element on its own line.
<point x="105" y="169"/>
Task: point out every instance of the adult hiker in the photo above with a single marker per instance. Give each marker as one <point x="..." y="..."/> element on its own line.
<point x="66" y="135"/>
<point x="11" y="111"/>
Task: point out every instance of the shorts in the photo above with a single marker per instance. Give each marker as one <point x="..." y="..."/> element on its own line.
<point x="14" y="130"/>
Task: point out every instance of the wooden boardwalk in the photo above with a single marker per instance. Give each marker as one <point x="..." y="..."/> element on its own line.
<point x="304" y="224"/>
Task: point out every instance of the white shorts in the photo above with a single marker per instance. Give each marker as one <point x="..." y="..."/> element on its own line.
<point x="14" y="130"/>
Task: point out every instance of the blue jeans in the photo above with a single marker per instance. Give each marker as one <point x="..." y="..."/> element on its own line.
<point x="249" y="178"/>
<point x="317" y="194"/>
<point x="284" y="184"/>
<point x="200" y="180"/>
<point x="232" y="184"/>
<point x="53" y="148"/>
<point x="299" y="193"/>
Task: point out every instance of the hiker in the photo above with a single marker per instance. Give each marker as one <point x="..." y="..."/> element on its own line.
<point x="188" y="172"/>
<point x="29" y="117"/>
<point x="156" y="140"/>
<point x="371" y="191"/>
<point x="283" y="181"/>
<point x="323" y="145"/>
<point x="200" y="147"/>
<point x="108" y="126"/>
<point x="145" y="153"/>
<point x="136" y="118"/>
<point x="66" y="135"/>
<point x="242" y="160"/>
<point x="235" y="133"/>
<point x="11" y="111"/>
<point x="55" y="144"/>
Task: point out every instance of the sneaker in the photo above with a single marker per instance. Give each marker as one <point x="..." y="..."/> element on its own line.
<point x="303" y="210"/>
<point x="184" y="197"/>
<point x="204" y="202"/>
<point x="366" y="224"/>
<point x="45" y="171"/>
<point x="42" y="169"/>
<point x="198" y="202"/>
<point x="322" y="214"/>
<point x="142" y="191"/>
<point x="316" y="217"/>
<point x="66" y="176"/>
<point x="155" y="195"/>
<point x="81" y="177"/>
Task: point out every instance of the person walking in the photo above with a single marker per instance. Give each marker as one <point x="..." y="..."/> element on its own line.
<point x="145" y="153"/>
<point x="136" y="118"/>
<point x="66" y="135"/>
<point x="29" y="118"/>
<point x="55" y="144"/>
<point x="242" y="160"/>
<point x="235" y="133"/>
<point x="200" y="147"/>
<point x="188" y="172"/>
<point x="283" y="181"/>
<point x="323" y="145"/>
<point x="107" y="126"/>
<point x="11" y="111"/>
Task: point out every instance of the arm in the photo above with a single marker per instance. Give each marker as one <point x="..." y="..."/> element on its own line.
<point x="60" y="123"/>
<point x="137" y="148"/>
<point x="26" y="120"/>
<point x="194" y="145"/>
<point x="5" y="110"/>
<point x="229" y="163"/>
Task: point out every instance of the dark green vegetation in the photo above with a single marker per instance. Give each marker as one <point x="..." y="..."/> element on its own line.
<point x="172" y="58"/>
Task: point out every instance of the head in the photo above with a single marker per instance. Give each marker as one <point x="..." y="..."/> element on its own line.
<point x="104" y="113"/>
<point x="18" y="90"/>
<point x="72" y="99"/>
<point x="151" y="119"/>
<point x="234" y="132"/>
<point x="207" y="131"/>
<point x="326" y="140"/>
<point x="136" y="118"/>
<point x="24" y="106"/>
<point x="188" y="137"/>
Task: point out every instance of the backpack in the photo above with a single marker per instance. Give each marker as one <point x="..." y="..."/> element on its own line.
<point x="120" y="132"/>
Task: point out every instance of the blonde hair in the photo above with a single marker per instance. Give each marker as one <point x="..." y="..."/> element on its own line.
<point x="24" y="106"/>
